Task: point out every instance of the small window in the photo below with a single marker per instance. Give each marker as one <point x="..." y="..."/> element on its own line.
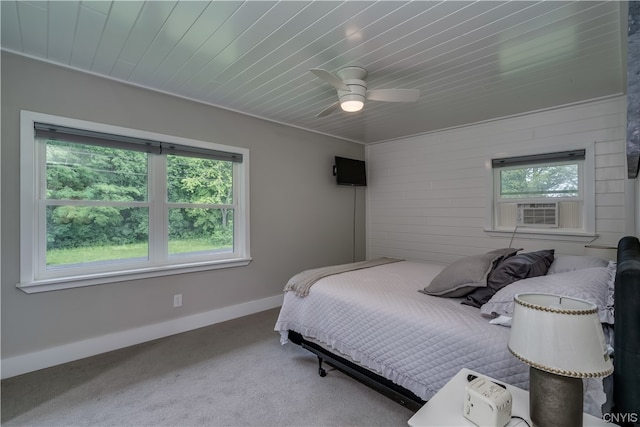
<point x="540" y="181"/>
<point x="101" y="206"/>
<point x="541" y="192"/>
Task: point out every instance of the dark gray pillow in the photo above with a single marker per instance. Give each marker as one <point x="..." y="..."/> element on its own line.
<point x="479" y="296"/>
<point x="463" y="276"/>
<point x="512" y="269"/>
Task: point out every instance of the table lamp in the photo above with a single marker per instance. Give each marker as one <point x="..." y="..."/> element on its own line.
<point x="561" y="339"/>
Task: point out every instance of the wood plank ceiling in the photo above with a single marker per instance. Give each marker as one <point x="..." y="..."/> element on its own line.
<point x="472" y="61"/>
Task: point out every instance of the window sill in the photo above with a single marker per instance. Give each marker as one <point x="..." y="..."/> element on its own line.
<point x="58" y="283"/>
<point x="550" y="234"/>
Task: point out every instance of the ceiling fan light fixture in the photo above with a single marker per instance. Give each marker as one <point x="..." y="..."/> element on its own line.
<point x="352" y="102"/>
<point x="351" y="106"/>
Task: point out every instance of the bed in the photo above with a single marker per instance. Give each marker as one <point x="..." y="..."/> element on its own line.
<point x="405" y="328"/>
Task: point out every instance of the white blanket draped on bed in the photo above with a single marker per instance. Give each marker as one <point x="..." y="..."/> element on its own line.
<point x="381" y="321"/>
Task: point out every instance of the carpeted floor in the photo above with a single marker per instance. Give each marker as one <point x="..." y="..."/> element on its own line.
<point x="234" y="373"/>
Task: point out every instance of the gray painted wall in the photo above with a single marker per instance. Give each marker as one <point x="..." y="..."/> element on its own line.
<point x="299" y="218"/>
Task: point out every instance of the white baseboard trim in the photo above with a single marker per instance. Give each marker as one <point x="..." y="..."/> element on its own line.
<point x="29" y="362"/>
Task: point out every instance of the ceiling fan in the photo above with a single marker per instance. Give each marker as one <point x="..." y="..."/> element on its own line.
<point x="352" y="90"/>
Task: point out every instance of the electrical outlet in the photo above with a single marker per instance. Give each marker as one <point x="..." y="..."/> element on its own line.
<point x="177" y="300"/>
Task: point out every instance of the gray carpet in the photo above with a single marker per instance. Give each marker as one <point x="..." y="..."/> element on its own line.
<point x="234" y="373"/>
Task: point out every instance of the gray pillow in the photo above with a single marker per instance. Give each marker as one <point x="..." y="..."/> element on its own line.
<point x="591" y="284"/>
<point x="564" y="263"/>
<point x="505" y="252"/>
<point x="514" y="268"/>
<point x="463" y="276"/>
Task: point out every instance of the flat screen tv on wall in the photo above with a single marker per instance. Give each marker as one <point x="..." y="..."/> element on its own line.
<point x="350" y="172"/>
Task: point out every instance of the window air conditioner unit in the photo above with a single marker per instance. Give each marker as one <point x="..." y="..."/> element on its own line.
<point x="537" y="215"/>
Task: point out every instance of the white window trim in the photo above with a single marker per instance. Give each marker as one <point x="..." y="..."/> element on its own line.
<point x="29" y="221"/>
<point x="587" y="234"/>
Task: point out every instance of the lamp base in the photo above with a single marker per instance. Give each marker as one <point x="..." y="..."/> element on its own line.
<point x="554" y="400"/>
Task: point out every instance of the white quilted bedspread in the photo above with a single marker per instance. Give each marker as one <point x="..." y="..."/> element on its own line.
<point x="377" y="317"/>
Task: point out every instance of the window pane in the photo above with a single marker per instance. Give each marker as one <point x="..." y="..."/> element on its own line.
<point x="195" y="180"/>
<point x="540" y="181"/>
<point x="93" y="234"/>
<point x="200" y="230"/>
<point x="89" y="172"/>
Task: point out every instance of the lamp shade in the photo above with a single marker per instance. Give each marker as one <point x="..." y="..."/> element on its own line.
<point x="560" y="335"/>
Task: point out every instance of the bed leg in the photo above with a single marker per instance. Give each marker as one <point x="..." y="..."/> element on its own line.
<point x="321" y="370"/>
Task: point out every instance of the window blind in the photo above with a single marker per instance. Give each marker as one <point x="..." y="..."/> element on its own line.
<point x="562" y="156"/>
<point x="81" y="136"/>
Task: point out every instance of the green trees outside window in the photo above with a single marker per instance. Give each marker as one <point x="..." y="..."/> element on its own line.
<point x="540" y="182"/>
<point x="98" y="204"/>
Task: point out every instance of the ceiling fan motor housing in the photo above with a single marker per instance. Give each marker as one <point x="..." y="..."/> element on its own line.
<point x="352" y="73"/>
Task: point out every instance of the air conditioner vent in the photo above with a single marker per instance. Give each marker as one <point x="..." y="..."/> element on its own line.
<point x="537" y="214"/>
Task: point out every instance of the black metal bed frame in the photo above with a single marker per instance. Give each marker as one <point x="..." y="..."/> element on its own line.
<point x="382" y="385"/>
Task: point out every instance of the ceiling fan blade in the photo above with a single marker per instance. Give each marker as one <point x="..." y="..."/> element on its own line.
<point x="330" y="109"/>
<point x="330" y="78"/>
<point x="393" y="95"/>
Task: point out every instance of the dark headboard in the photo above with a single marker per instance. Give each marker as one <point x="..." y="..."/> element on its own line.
<point x="626" y="374"/>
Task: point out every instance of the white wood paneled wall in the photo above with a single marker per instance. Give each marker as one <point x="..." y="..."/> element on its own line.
<point x="428" y="195"/>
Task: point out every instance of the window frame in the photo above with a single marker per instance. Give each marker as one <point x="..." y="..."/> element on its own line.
<point x="586" y="195"/>
<point x="35" y="278"/>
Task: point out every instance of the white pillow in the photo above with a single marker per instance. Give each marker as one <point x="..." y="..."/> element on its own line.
<point x="592" y="284"/>
<point x="564" y="263"/>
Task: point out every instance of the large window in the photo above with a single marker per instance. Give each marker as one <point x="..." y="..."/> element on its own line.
<point x="547" y="193"/>
<point x="101" y="203"/>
